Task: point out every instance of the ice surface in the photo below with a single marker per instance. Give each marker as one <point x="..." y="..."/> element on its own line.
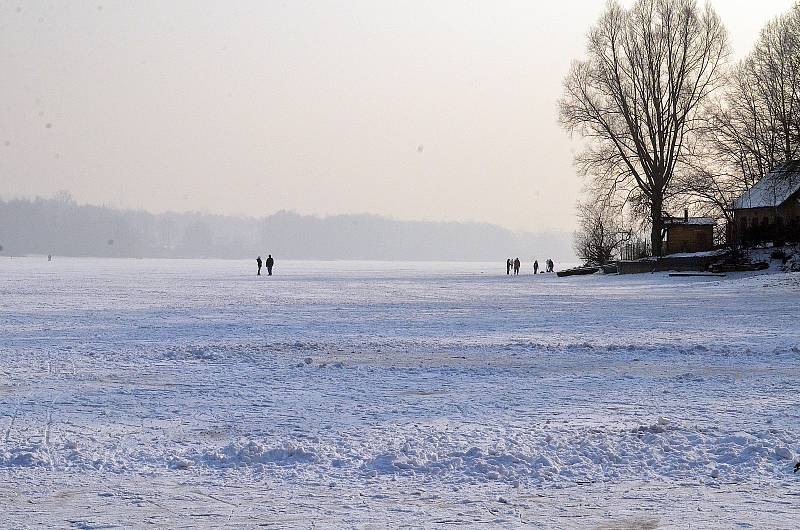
<point x="190" y="392"/>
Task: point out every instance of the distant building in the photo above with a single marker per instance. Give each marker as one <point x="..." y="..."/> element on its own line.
<point x="770" y="210"/>
<point x="688" y="234"/>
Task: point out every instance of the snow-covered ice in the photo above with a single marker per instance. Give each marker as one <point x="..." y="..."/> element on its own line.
<point x="192" y="392"/>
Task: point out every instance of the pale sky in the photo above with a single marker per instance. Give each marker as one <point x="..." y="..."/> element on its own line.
<point x="435" y="110"/>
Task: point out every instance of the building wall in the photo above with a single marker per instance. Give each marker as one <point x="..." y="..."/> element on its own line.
<point x="690" y="263"/>
<point x="759" y="216"/>
<point x="689" y="238"/>
<point x="763" y="224"/>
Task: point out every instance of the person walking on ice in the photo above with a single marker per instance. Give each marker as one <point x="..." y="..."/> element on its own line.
<point x="270" y="263"/>
<point x="258" y="262"/>
<point x="508" y="266"/>
<point x="535" y="267"/>
<point x="517" y="265"/>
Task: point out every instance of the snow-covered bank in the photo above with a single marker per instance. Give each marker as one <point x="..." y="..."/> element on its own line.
<point x="353" y="384"/>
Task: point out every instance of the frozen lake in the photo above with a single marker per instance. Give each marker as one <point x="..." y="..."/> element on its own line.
<point x="192" y="392"/>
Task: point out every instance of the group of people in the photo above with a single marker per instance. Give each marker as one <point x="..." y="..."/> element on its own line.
<point x="515" y="265"/>
<point x="269" y="263"/>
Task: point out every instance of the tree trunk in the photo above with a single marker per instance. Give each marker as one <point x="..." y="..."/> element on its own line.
<point x="657" y="226"/>
<point x="655" y="238"/>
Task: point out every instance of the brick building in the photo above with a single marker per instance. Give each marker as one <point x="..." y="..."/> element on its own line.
<point x="688" y="234"/>
<point x="770" y="210"/>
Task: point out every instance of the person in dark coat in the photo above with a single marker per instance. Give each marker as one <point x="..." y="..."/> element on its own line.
<point x="508" y="266"/>
<point x="517" y="265"/>
<point x="535" y="267"/>
<point x="258" y="262"/>
<point x="270" y="263"/>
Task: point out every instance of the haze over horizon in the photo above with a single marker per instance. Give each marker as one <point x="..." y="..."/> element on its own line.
<point x="442" y="111"/>
<point x="61" y="227"/>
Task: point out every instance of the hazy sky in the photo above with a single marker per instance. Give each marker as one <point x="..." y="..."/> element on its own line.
<point x="438" y="110"/>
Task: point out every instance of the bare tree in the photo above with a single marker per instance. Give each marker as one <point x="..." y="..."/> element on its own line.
<point x="600" y="234"/>
<point x="637" y="98"/>
<point x="755" y="124"/>
<point x="709" y="192"/>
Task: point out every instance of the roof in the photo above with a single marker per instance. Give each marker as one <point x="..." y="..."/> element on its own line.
<point x="773" y="189"/>
<point x="697" y="221"/>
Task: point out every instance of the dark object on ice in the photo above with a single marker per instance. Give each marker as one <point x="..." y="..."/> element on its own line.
<point x="779" y="253"/>
<point x="550" y="265"/>
<point x="796" y="467"/>
<point x="49" y="257"/>
<point x="709" y="274"/>
<point x="270" y="263"/>
<point x="739" y="267"/>
<point x="577" y="271"/>
<point x="258" y="262"/>
<point x="535" y="267"/>
<point x="508" y="266"/>
<point x="609" y="268"/>
<point x="517" y="265"/>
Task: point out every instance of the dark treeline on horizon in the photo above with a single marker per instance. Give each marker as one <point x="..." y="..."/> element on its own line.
<point x="61" y="227"/>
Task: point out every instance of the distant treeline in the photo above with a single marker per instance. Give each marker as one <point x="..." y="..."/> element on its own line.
<point x="61" y="227"/>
